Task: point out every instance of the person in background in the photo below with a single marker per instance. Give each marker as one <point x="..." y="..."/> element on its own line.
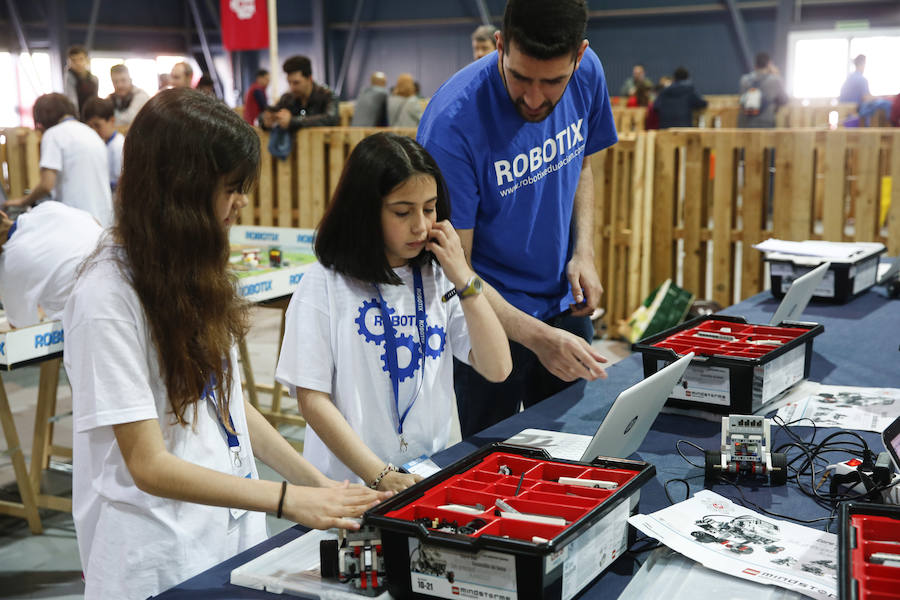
<point x="99" y="115"/>
<point x="370" y="108"/>
<point x="127" y="99"/>
<point x="81" y="84"/>
<point x="404" y="109"/>
<point x="483" y="42"/>
<point x="255" y="101"/>
<point x="675" y="105"/>
<point x="182" y="75"/>
<point x="39" y="256"/>
<point x="638" y="78"/>
<point x="74" y="162"/>
<point x="856" y="90"/>
<point x="206" y="86"/>
<point x="306" y="104"/>
<point x="762" y="94"/>
<point x="641" y="96"/>
<point x="164" y="448"/>
<point x="651" y="121"/>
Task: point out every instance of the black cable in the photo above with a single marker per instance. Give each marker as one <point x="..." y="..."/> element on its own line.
<point x="686" y="459"/>
<point x="687" y="489"/>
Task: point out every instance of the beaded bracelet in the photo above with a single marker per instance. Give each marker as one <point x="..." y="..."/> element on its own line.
<point x="388" y="469"/>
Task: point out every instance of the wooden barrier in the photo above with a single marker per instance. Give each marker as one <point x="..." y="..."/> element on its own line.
<point x="296" y="191"/>
<point x="621" y="216"/>
<point x="20" y="153"/>
<point x="812" y="114"/>
<point x="717" y="192"/>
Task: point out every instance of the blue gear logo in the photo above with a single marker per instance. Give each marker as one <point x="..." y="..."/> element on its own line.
<point x="367" y="305"/>
<point x="415" y="356"/>
<point x="434" y="330"/>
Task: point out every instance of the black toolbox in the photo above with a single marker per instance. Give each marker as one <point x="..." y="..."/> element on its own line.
<point x="738" y="367"/>
<point x="570" y="534"/>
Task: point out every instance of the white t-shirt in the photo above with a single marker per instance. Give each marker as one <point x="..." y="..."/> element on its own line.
<point x="133" y="544"/>
<point x="78" y="156"/>
<point x="334" y="343"/>
<point x="38" y="263"/>
<point x="114" y="146"/>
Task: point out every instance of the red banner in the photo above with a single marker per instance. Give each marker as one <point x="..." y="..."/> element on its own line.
<point x="245" y="24"/>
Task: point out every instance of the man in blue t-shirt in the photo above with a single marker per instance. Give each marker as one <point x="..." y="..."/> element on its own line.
<point x="511" y="133"/>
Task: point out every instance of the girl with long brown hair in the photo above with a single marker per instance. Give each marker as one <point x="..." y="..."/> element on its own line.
<point x="165" y="483"/>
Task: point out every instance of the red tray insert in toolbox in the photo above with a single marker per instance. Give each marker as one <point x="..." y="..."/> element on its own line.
<point x="737" y="339"/>
<point x="520" y="530"/>
<point x="453" y="495"/>
<point x="875" y="534"/>
<point x="532" y="487"/>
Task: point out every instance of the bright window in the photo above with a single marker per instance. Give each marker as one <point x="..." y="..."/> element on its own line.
<point x="881" y="62"/>
<point x="818" y="71"/>
<point x="27" y="77"/>
<point x="819" y="61"/>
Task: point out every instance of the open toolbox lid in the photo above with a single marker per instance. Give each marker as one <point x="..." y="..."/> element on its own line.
<point x="833" y="252"/>
<point x="475" y="479"/>
<point x="729" y="339"/>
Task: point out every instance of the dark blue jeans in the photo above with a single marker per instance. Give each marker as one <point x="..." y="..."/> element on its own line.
<point x="482" y="403"/>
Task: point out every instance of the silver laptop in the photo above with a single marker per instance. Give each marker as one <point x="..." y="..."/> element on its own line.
<point x="799" y="294"/>
<point x="628" y="421"/>
<point x="890" y="273"/>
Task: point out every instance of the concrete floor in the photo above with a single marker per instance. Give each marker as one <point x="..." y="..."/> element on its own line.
<point x="47" y="565"/>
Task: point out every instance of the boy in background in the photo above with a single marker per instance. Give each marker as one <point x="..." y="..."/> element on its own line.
<point x="99" y="115"/>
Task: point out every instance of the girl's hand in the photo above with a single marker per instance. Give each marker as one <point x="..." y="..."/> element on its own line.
<point x="444" y="243"/>
<point x="326" y="507"/>
<point x="395" y="481"/>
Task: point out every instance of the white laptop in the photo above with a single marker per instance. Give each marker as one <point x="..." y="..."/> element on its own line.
<point x="625" y="426"/>
<point x="889" y="271"/>
<point x="799" y="294"/>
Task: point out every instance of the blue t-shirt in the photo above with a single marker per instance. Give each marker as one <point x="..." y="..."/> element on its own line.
<point x="513" y="181"/>
<point x="854" y="88"/>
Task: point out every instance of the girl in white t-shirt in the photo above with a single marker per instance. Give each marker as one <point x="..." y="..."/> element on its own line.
<point x="371" y="329"/>
<point x="164" y="443"/>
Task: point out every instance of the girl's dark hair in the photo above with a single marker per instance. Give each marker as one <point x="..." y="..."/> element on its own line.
<point x="50" y="108"/>
<point x="181" y="149"/>
<point x="350" y="239"/>
<point x="543" y="29"/>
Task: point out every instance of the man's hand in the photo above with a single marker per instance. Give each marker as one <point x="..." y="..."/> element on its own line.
<point x="586" y="287"/>
<point x="283" y="118"/>
<point x="568" y="356"/>
<point x="268" y="118"/>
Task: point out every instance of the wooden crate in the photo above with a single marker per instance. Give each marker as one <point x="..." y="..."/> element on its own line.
<point x="295" y="192"/>
<point x="715" y="189"/>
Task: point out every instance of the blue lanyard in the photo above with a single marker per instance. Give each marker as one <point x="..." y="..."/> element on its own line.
<point x="112" y="137"/>
<point x="390" y="344"/>
<point x="234" y="444"/>
<point x="12" y="230"/>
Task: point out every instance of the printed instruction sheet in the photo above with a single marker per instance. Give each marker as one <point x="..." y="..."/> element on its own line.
<point x="868" y="409"/>
<point x="729" y="538"/>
